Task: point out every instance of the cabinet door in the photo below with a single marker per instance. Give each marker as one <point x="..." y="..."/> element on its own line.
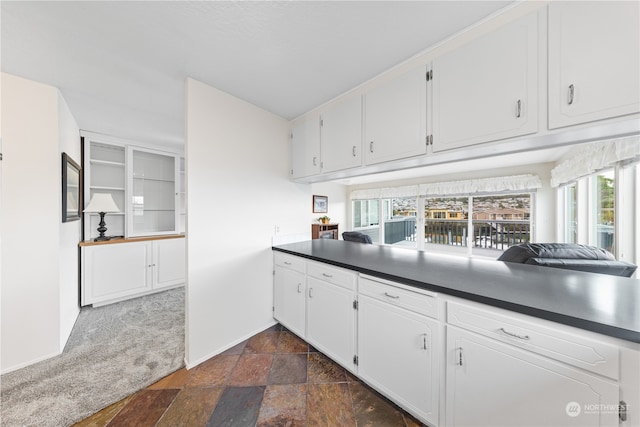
<point x="289" y="299"/>
<point x="397" y="354"/>
<point x="331" y="321"/>
<point x="115" y="271"/>
<point x="168" y="263"/>
<point x="487" y="89"/>
<point x="305" y="147"/>
<point x="153" y="192"/>
<point x="594" y="61"/>
<point x="395" y="118"/>
<point x="494" y="384"/>
<point x="341" y="136"/>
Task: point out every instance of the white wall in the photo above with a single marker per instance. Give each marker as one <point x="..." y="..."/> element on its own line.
<point x="337" y="209"/>
<point x="30" y="219"/>
<point x="70" y="232"/>
<point x="238" y="191"/>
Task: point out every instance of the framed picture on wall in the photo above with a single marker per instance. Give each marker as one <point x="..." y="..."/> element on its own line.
<point x="320" y="204"/>
<point x="70" y="189"/>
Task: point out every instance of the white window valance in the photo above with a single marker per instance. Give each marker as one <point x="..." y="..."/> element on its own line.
<point x="586" y="159"/>
<point x="483" y="185"/>
<point x="397" y="192"/>
<point x="500" y="184"/>
<point x="368" y="193"/>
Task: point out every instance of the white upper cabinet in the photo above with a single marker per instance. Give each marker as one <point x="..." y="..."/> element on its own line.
<point x="395" y="118"/>
<point x="593" y="61"/>
<point x="305" y="147"/>
<point x="153" y="191"/>
<point x="341" y="135"/>
<point x="487" y="90"/>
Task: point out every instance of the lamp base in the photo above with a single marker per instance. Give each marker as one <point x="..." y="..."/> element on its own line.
<point x="101" y="229"/>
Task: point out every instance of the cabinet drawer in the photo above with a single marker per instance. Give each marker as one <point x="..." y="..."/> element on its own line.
<point x="289" y="261"/>
<point x="420" y="302"/>
<point x="520" y="330"/>
<point x="335" y="275"/>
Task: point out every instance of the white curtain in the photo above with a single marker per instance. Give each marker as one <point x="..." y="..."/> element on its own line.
<point x="586" y="159"/>
<point x="483" y="185"/>
<point x="499" y="184"/>
<point x="369" y="193"/>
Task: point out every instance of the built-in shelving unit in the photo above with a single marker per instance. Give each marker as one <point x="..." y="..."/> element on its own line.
<point x="146" y="183"/>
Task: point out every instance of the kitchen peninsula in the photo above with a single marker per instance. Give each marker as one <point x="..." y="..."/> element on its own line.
<point x="434" y="332"/>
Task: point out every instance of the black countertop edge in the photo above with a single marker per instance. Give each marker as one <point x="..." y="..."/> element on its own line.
<point x="604" y="329"/>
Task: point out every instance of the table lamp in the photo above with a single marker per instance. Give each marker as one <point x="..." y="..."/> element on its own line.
<point x="101" y="203"/>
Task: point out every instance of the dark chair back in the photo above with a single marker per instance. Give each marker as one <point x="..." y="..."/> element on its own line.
<point x="356" y="236"/>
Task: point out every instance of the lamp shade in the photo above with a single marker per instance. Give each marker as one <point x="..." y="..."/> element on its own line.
<point x="102" y="202"/>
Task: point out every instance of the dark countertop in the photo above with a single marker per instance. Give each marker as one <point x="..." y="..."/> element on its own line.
<point x="600" y="303"/>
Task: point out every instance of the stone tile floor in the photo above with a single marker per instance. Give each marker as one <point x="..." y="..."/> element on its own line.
<point x="272" y="379"/>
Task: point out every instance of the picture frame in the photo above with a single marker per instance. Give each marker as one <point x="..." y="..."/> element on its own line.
<point x="320" y="204"/>
<point x="71" y="189"/>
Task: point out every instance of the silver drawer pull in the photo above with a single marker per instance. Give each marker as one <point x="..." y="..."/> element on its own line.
<point x="327" y="275"/>
<point x="511" y="334"/>
<point x="287" y="263"/>
<point x="570" y="95"/>
<point x="391" y="296"/>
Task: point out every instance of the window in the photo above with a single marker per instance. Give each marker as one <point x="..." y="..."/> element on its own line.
<point x="501" y="221"/>
<point x="400" y="221"/>
<point x="480" y="216"/>
<point x="570" y="213"/>
<point x="446" y="221"/>
<point x="603" y="210"/>
<point x="366" y="218"/>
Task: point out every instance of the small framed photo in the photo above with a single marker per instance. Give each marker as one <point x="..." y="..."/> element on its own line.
<point x="70" y="189"/>
<point x="320" y="204"/>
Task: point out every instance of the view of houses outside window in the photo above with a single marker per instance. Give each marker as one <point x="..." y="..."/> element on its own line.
<point x="496" y="223"/>
<point x="603" y="187"/>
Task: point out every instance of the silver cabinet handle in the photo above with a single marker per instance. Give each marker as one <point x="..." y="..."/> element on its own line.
<point x="391" y="296"/>
<point x="511" y="334"/>
<point x="287" y="263"/>
<point x="315" y="161"/>
<point x="424" y="342"/>
<point x="519" y="109"/>
<point x="327" y="275"/>
<point x="299" y="288"/>
<point x="353" y="151"/>
<point x="570" y="95"/>
<point x="459" y="356"/>
<point x="310" y="294"/>
<point x="371" y="146"/>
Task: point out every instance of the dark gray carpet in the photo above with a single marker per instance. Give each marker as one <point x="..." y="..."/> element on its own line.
<point x="113" y="352"/>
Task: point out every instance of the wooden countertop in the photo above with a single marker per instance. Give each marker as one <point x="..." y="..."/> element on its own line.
<point x="130" y="240"/>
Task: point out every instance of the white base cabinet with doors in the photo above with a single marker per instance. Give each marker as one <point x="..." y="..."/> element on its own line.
<point x="289" y="292"/>
<point x="399" y="345"/>
<point x="126" y="268"/>
<point x="594" y="61"/>
<point x="503" y="370"/>
<point x="331" y="314"/>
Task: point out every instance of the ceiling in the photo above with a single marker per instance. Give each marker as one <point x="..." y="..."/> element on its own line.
<point x="121" y="65"/>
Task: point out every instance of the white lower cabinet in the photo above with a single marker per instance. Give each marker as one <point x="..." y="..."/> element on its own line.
<point x="331" y="317"/>
<point x="490" y="383"/>
<point x="289" y="290"/>
<point x="398" y="350"/>
<point x="116" y="271"/>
